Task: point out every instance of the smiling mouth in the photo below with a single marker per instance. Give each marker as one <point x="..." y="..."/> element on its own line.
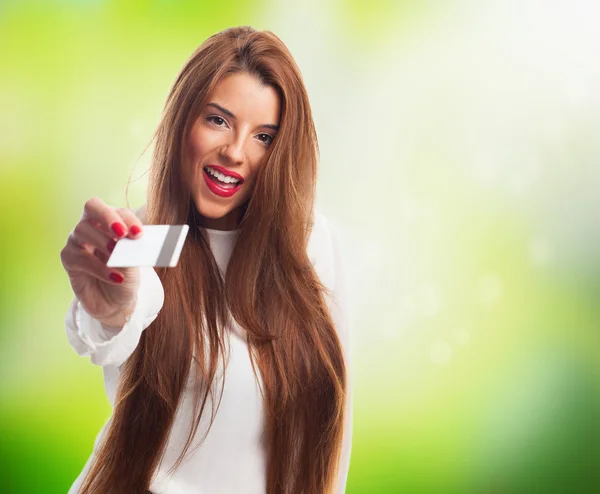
<point x="221" y="179"/>
<point x="222" y="188"/>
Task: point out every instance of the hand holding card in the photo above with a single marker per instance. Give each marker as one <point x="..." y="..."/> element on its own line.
<point x="160" y="246"/>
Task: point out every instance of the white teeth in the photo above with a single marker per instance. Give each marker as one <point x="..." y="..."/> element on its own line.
<point x="221" y="177"/>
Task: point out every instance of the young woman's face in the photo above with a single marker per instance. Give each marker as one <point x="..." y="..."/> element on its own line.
<point x="231" y="138"/>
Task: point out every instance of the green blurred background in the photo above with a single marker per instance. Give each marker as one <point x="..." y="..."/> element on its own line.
<point x="459" y="163"/>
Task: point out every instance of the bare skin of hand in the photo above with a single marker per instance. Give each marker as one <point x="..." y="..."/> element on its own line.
<point x="107" y="294"/>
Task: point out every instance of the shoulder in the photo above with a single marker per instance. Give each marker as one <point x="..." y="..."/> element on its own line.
<point x="329" y="262"/>
<point x="321" y="249"/>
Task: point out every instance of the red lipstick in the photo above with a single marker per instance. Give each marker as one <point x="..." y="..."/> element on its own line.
<point x="226" y="172"/>
<point x="215" y="187"/>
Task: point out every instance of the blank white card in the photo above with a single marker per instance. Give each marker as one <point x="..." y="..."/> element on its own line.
<point x="159" y="246"/>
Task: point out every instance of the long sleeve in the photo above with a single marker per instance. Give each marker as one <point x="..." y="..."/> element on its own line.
<point x="339" y="307"/>
<point x="89" y="338"/>
<point x="328" y="261"/>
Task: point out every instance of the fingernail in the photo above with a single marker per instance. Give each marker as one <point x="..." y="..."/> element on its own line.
<point x="135" y="229"/>
<point x="116" y="277"/>
<point x="118" y="228"/>
<point x="111" y="245"/>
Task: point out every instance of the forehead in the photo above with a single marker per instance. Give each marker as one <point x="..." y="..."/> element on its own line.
<point x="250" y="101"/>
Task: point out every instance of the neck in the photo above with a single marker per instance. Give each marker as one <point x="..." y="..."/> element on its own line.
<point x="230" y="221"/>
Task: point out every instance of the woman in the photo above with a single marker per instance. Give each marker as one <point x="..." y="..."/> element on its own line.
<point x="227" y="373"/>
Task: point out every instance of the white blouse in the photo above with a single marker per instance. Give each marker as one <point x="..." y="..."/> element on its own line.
<point x="232" y="458"/>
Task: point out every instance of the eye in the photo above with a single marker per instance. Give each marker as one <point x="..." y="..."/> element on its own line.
<point x="215" y="119"/>
<point x="266" y="138"/>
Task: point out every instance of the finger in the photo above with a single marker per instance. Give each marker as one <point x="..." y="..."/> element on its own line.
<point x="81" y="261"/>
<point x="101" y="255"/>
<point x="104" y="217"/>
<point x="134" y="226"/>
<point x="87" y="236"/>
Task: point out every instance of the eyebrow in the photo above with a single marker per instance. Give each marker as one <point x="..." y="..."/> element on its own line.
<point x="228" y="113"/>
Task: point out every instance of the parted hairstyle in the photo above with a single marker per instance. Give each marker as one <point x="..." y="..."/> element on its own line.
<point x="270" y="288"/>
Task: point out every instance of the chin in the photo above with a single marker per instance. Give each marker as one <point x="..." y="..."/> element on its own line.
<point x="214" y="213"/>
<point x="213" y="216"/>
<point x="210" y="210"/>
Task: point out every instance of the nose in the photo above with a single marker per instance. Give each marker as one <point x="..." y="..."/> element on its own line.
<point x="234" y="150"/>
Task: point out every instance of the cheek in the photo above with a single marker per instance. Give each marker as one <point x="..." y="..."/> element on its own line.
<point x="256" y="157"/>
<point x="253" y="173"/>
<point x="202" y="142"/>
<point x="198" y="148"/>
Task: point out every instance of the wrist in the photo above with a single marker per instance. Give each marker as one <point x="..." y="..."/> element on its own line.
<point x="117" y="321"/>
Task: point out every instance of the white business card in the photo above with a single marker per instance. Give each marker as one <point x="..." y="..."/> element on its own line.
<point x="159" y="246"/>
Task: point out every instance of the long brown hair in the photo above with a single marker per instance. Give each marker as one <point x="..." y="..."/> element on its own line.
<point x="270" y="288"/>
